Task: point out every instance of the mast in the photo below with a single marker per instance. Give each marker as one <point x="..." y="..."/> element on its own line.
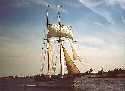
<point x="47" y="20"/>
<point x="60" y="41"/>
<point x="44" y="43"/>
<point x="48" y="47"/>
<point x="59" y="31"/>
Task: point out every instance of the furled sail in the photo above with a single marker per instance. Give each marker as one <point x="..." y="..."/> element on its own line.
<point x="54" y="30"/>
<point x="71" y="67"/>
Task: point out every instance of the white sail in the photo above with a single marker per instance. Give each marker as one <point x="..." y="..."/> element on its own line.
<point x="71" y="67"/>
<point x="49" y="59"/>
<point x="62" y="32"/>
<point x="54" y="30"/>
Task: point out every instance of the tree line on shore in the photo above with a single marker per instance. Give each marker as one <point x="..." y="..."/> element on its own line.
<point x="114" y="72"/>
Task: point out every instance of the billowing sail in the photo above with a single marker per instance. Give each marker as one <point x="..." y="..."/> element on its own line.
<point x="49" y="58"/>
<point x="54" y="30"/>
<point x="71" y="67"/>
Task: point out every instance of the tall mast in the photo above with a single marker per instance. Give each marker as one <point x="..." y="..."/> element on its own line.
<point x="60" y="41"/>
<point x="45" y="39"/>
<point x="47" y="20"/>
<point x="47" y="23"/>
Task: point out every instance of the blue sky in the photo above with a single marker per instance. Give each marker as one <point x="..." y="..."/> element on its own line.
<point x="99" y="27"/>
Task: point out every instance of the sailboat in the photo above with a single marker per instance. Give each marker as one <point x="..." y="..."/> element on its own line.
<point x="58" y="65"/>
<point x="55" y="55"/>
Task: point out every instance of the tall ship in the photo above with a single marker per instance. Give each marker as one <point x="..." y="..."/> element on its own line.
<point x="59" y="66"/>
<point x="58" y="52"/>
<point x="58" y="56"/>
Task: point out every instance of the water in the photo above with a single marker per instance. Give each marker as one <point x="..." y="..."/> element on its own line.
<point x="80" y="84"/>
<point x="21" y="84"/>
<point x="100" y="84"/>
<point x="35" y="89"/>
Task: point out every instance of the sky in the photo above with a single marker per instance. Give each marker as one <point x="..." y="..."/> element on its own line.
<point x="98" y="25"/>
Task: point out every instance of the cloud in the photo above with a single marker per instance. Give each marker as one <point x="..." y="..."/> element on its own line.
<point x="123" y="19"/>
<point x="45" y="3"/>
<point x="96" y="3"/>
<point x="102" y="46"/>
<point x="13" y="3"/>
<point x="71" y="3"/>
<point x="102" y="53"/>
<point x="92" y="41"/>
<point x="22" y="3"/>
<point x="98" y="24"/>
<point x="40" y="2"/>
<point x="30" y="3"/>
<point x="115" y="2"/>
<point x="105" y="8"/>
<point x="91" y="3"/>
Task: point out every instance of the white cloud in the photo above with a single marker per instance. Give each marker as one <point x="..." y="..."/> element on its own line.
<point x="45" y="3"/>
<point x="91" y="40"/>
<point x="98" y="24"/>
<point x="104" y="48"/>
<point x="22" y="3"/>
<point x="91" y="3"/>
<point x="104" y="54"/>
<point x="71" y="3"/>
<point x="40" y="2"/>
<point x="32" y="3"/>
<point x="102" y="45"/>
<point x="115" y="2"/>
<point x="123" y="19"/>
<point x="103" y="7"/>
<point x="95" y="3"/>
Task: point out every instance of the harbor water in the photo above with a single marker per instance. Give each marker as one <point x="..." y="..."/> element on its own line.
<point x="79" y="84"/>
